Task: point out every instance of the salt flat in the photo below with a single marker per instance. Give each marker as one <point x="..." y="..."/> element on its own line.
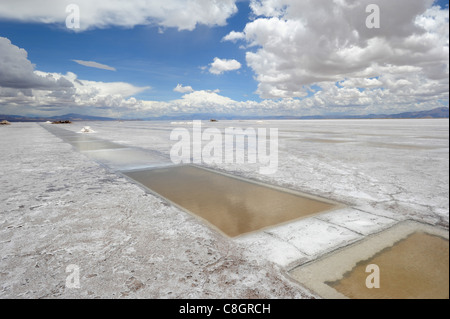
<point x="61" y="207"/>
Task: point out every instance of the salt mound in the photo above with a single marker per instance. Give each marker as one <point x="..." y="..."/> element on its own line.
<point x="87" y="129"/>
<point x="5" y="122"/>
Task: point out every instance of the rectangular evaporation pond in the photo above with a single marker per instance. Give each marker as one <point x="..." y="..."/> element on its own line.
<point x="62" y="133"/>
<point x="412" y="262"/>
<point x="95" y="145"/>
<point x="128" y="158"/>
<point x="233" y="205"/>
<point x="80" y="138"/>
<point x="414" y="268"/>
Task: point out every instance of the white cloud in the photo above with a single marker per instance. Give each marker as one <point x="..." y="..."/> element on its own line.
<point x="296" y="45"/>
<point x="203" y="98"/>
<point x="16" y="71"/>
<point x="234" y="36"/>
<point x="309" y="57"/>
<point x="108" y="88"/>
<point x="183" y="89"/>
<point x="92" y="64"/>
<point x="181" y="14"/>
<point x="22" y="85"/>
<point x="219" y="66"/>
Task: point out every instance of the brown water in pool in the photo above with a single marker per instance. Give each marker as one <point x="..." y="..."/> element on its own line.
<point x="414" y="268"/>
<point x="232" y="205"/>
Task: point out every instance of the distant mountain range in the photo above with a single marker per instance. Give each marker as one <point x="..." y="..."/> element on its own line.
<point x="68" y="117"/>
<point x="442" y="112"/>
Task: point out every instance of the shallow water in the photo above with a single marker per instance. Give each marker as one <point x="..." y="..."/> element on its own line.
<point x="232" y="205"/>
<point x="414" y="268"/>
<point x="95" y="145"/>
<point x="79" y="138"/>
<point x="127" y="158"/>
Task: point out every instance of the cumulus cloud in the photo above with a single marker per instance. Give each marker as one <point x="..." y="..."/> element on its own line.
<point x="24" y="89"/>
<point x="183" y="89"/>
<point x="219" y="66"/>
<point x="16" y="71"/>
<point x="92" y="64"/>
<point x="202" y="101"/>
<point x="22" y="85"/>
<point x="309" y="57"/>
<point x="205" y="98"/>
<point x="294" y="46"/>
<point x="234" y="36"/>
<point x="181" y="14"/>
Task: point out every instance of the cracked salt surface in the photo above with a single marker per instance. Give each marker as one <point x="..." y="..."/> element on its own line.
<point x="59" y="207"/>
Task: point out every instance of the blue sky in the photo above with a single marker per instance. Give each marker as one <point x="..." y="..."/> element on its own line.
<point x="296" y="58"/>
<point x="142" y="55"/>
<point x="160" y="60"/>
